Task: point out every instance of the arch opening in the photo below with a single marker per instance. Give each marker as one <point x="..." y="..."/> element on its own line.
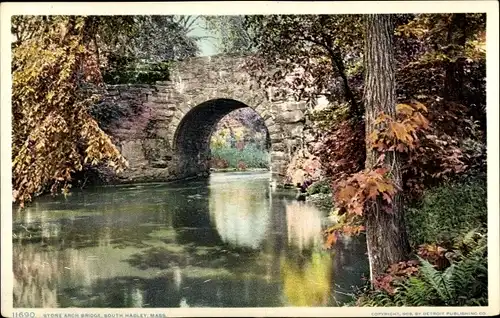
<point x="240" y="141"/>
<point x="191" y="142"/>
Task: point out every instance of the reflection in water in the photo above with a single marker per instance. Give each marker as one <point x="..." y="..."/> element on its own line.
<point x="225" y="242"/>
<point x="34" y="278"/>
<point x="307" y="281"/>
<point x="304" y="225"/>
<point x="240" y="212"/>
<point x="306" y="269"/>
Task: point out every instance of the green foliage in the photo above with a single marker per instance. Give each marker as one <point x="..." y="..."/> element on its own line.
<point x="132" y="56"/>
<point x="308" y="55"/>
<point x="448" y="210"/>
<point x="322" y="186"/>
<point x="463" y="283"/>
<point x="250" y="155"/>
<point x="240" y="141"/>
<point x="152" y="38"/>
<point x="231" y="33"/>
<point x="453" y="215"/>
<point x="325" y="119"/>
<point x="443" y="55"/>
<point x="127" y="72"/>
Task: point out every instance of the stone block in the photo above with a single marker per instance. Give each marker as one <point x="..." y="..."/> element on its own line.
<point x="129" y="95"/>
<point x="290" y="116"/>
<point x="166" y="113"/>
<point x="295" y="130"/>
<point x="278" y="155"/>
<point x="113" y="92"/>
<point x="264" y="114"/>
<point x="132" y="150"/>
<point x="175" y="122"/>
<point x="288" y="106"/>
<point x="273" y="129"/>
<point x="185" y="109"/>
<point x="301" y="105"/>
<point x="277" y="137"/>
<point x="278" y="146"/>
<point x="164" y="83"/>
<point x="308" y="138"/>
<point x="159" y="164"/>
<point x="168" y="105"/>
<point x="269" y="122"/>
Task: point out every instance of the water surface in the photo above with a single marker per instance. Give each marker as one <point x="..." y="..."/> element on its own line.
<point x="227" y="241"/>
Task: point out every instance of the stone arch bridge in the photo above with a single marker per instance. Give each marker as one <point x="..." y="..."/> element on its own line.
<point x="166" y="134"/>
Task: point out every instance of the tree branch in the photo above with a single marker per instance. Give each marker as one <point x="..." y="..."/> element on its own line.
<point x="336" y="59"/>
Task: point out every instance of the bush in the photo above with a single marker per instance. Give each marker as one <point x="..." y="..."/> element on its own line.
<point x="448" y="232"/>
<point x="322" y="186"/>
<point x="463" y="283"/>
<point x="250" y="156"/>
<point x="127" y="71"/>
<point x="448" y="211"/>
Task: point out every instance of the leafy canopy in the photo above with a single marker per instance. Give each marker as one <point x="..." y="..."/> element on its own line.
<point x="56" y="66"/>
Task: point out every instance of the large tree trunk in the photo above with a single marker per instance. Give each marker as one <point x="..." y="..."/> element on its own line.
<point x="385" y="230"/>
<point x="454" y="77"/>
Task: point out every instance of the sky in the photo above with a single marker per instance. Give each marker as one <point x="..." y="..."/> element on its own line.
<point x="207" y="46"/>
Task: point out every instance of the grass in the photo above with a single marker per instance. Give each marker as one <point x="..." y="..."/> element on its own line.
<point x="448" y="211"/>
<point x="250" y="156"/>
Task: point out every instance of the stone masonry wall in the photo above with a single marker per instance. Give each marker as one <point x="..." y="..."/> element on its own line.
<point x="161" y="143"/>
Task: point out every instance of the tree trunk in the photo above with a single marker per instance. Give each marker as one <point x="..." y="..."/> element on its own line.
<point x="387" y="239"/>
<point x="454" y="77"/>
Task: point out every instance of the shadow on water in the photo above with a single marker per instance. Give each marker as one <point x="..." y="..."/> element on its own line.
<point x="229" y="241"/>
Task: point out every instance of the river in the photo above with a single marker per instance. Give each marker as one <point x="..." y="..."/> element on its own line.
<point x="226" y="241"/>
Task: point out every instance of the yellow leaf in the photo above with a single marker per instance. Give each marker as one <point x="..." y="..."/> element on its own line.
<point x="398" y="129"/>
<point x="373" y="136"/>
<point x="404" y="109"/>
<point x="420" y="106"/>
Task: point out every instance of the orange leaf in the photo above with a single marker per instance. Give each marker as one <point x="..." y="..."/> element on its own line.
<point x="420" y="106"/>
<point x="330" y="240"/>
<point x="387" y="197"/>
<point x="346" y="193"/>
<point x="372" y="193"/>
<point x="399" y="130"/>
<point x="358" y="210"/>
<point x="373" y="136"/>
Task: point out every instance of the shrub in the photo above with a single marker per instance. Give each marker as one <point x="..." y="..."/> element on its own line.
<point x="322" y="186"/>
<point x="127" y="71"/>
<point x="463" y="283"/>
<point x="448" y="211"/>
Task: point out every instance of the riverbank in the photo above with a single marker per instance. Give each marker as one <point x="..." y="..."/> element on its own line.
<point x="218" y="170"/>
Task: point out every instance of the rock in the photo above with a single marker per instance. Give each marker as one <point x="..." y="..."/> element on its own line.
<point x="301" y="196"/>
<point x="159" y="164"/>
